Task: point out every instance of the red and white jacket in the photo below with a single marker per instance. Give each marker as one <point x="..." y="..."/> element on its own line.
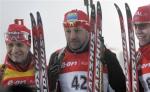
<point x="15" y="74"/>
<point x="73" y="73"/>
<point x="143" y="67"/>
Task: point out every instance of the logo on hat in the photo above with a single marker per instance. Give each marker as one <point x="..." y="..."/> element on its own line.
<point x="72" y="17"/>
<point x="142" y="15"/>
<point x="139" y="13"/>
<point x="76" y="18"/>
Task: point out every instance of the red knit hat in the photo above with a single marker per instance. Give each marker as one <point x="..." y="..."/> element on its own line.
<point x="76" y="18"/>
<point x="18" y="32"/>
<point x="142" y="15"/>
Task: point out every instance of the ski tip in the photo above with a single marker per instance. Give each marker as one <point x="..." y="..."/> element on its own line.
<point x="93" y="11"/>
<point x="31" y="14"/>
<point x="91" y="3"/>
<point x="128" y="11"/>
<point x="118" y="9"/>
<point x="93" y="7"/>
<point x="99" y="10"/>
<point x="38" y="13"/>
<point x="86" y="2"/>
<point x="39" y="19"/>
<point x="98" y="3"/>
<point x="98" y="6"/>
<point x="38" y="16"/>
<point x="126" y="6"/>
<point x="116" y="5"/>
<point x="32" y="20"/>
<point x="32" y="17"/>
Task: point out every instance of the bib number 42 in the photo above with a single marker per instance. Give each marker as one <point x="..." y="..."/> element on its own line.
<point x="79" y="82"/>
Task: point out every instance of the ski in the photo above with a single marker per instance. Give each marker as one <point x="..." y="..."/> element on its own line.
<point x="42" y="53"/>
<point x="41" y="79"/>
<point x="36" y="54"/>
<point x="92" y="50"/>
<point x="86" y="3"/>
<point x="127" y="64"/>
<point x="98" y="67"/>
<point x="132" y="49"/>
<point x="91" y="3"/>
<point x="95" y="76"/>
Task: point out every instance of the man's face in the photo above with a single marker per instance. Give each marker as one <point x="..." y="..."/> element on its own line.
<point x="76" y="37"/>
<point x="142" y="32"/>
<point x="17" y="51"/>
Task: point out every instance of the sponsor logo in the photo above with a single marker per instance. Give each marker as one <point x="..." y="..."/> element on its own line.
<point x="144" y="66"/>
<point x="69" y="64"/>
<point x="139" y="13"/>
<point x="71" y="17"/>
<point x="16" y="82"/>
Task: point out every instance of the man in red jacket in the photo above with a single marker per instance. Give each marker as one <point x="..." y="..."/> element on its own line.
<point x="18" y="67"/>
<point x="68" y="68"/>
<point x="141" y="21"/>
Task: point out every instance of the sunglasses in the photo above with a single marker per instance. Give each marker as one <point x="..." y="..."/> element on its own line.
<point x="17" y="36"/>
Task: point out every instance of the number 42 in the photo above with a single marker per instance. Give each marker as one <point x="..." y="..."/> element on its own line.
<point x="79" y="82"/>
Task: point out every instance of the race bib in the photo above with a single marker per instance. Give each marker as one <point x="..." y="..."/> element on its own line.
<point x="145" y="81"/>
<point x="73" y="81"/>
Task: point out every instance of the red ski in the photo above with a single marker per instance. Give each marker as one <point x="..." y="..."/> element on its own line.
<point x="41" y="79"/>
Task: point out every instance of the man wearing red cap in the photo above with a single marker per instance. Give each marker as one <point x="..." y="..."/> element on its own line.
<point x="18" y="67"/>
<point x="68" y="67"/>
<point x="141" y="23"/>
